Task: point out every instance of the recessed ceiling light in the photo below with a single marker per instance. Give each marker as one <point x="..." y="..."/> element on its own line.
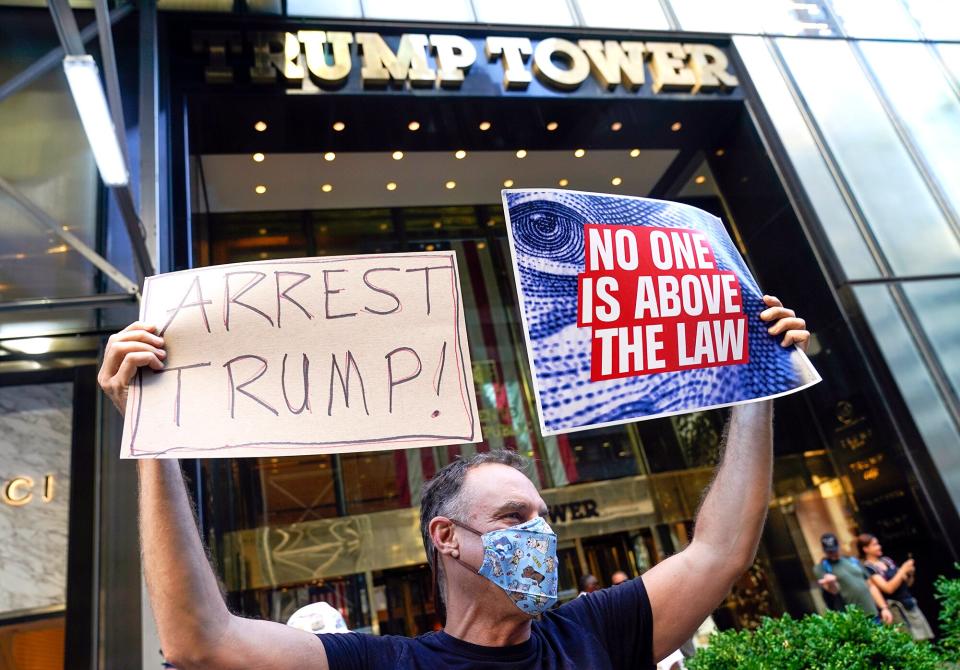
<point x="451" y="184"/>
<point x="507" y="183"/>
<point x="460" y="154"/>
<point x="634" y="153"/>
<point x="384" y="226"/>
<point x="413" y="125"/>
<point x="484" y="125"/>
<point x="616" y="181"/>
<point x="437" y="225"/>
<point x="339" y="126"/>
<point x="258" y="157"/>
<point x="481" y="245"/>
<point x="329" y="156"/>
<point x="430" y="247"/>
<point x="676" y="126"/>
<point x="391" y="186"/>
<point x="260" y="189"/>
<point x="397" y="155"/>
<point x="700" y="179"/>
<point x="616" y="126"/>
<point x="553" y="125"/>
<point x="260" y="126"/>
<point x="491" y="223"/>
<point x="719" y="152"/>
<point x="264" y="254"/>
<point x="262" y="231"/>
<point x="521" y="153"/>
<point x="326" y="188"/>
<point x="579" y="153"/>
<point x="564" y="182"/>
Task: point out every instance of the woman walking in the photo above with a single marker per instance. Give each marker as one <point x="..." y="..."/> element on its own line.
<point x="894" y="582"/>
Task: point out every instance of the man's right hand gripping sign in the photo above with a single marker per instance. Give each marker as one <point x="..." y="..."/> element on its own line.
<point x="492" y="553"/>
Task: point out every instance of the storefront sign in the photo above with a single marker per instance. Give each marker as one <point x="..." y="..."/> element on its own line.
<point x="650" y="304"/>
<point x="431" y="61"/>
<point x="19" y="491"/>
<point x="317" y="355"/>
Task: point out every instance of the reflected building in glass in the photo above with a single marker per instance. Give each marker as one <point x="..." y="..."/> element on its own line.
<point x="827" y="139"/>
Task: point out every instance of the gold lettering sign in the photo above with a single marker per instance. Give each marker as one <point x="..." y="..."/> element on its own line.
<point x="324" y="58"/>
<point x="18" y="491"/>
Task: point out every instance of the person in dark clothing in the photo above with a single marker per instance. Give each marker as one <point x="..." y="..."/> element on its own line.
<point x="493" y="556"/>
<point x="845" y="582"/>
<point x="894" y="582"/>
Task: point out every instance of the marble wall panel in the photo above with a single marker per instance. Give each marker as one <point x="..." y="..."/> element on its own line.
<point x="35" y="438"/>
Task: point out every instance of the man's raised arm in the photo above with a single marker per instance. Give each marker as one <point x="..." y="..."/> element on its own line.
<point x="687" y="587"/>
<point x="196" y="629"/>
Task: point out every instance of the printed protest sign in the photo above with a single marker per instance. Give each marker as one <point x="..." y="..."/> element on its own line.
<point x="304" y="356"/>
<point x="636" y="308"/>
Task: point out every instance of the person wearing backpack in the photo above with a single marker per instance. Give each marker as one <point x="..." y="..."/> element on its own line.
<point x="844" y="581"/>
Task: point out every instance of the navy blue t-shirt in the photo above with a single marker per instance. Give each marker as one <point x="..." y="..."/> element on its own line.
<point x="610" y="629"/>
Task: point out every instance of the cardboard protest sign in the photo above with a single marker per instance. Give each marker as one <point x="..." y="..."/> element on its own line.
<point x="636" y="308"/>
<point x="303" y="356"/>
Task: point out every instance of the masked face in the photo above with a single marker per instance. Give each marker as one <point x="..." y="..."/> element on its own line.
<point x="522" y="560"/>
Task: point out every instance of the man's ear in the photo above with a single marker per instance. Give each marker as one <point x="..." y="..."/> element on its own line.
<point x="443" y="533"/>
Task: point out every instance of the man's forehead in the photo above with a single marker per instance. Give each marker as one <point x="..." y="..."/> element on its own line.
<point x="493" y="485"/>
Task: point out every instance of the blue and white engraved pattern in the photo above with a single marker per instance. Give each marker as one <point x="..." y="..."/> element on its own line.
<point x="546" y="236"/>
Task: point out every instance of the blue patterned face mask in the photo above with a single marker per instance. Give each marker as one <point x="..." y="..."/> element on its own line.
<point x="522" y="560"/>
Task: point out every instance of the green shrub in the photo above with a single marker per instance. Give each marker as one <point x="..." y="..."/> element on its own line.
<point x="948" y="593"/>
<point x="846" y="640"/>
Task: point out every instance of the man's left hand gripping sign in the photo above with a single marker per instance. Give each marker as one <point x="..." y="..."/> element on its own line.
<point x="304" y="356"/>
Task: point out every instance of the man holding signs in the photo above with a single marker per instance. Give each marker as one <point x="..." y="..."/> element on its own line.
<point x="493" y="556"/>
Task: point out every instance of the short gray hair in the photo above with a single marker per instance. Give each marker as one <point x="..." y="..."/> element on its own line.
<point x="441" y="496"/>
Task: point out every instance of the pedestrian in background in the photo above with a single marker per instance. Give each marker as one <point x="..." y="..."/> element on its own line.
<point x="894" y="582"/>
<point x="619" y="577"/>
<point x="845" y="581"/>
<point x="588" y="584"/>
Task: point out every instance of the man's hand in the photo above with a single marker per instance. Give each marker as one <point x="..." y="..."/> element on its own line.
<point x="132" y="348"/>
<point x="829" y="584"/>
<point x="785" y="322"/>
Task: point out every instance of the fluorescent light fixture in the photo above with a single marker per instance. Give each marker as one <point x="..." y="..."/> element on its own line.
<point x="84" y="80"/>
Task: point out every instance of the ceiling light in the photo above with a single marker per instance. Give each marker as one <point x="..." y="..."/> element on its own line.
<point x="329" y="156"/>
<point x="507" y="183"/>
<point x="258" y="157"/>
<point x="461" y="154"/>
<point x="676" y="126"/>
<point x="262" y="231"/>
<point x="20" y="256"/>
<point x="616" y="126"/>
<point x="484" y="125"/>
<point x="413" y="125"/>
<point x="521" y="153"/>
<point x="260" y="189"/>
<point x="481" y="245"/>
<point x="264" y="254"/>
<point x="59" y="249"/>
<point x="339" y="126"/>
<point x="391" y="186"/>
<point x="563" y="182"/>
<point x="437" y="225"/>
<point x="616" y="181"/>
<point x="260" y="126"/>
<point x="397" y="155"/>
<point x="83" y="78"/>
<point x="451" y="185"/>
<point x="719" y="152"/>
<point x="579" y="153"/>
<point x="430" y="247"/>
<point x="326" y="188"/>
<point x="491" y="223"/>
<point x="30" y="345"/>
<point x="634" y="153"/>
<point x="700" y="179"/>
<point x="553" y="125"/>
